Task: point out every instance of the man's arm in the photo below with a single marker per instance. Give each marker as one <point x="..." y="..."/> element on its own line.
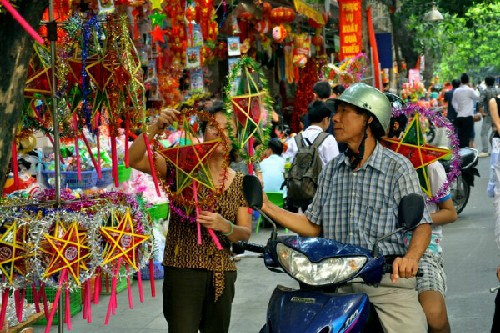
<point x="407" y="266"/>
<point x="296" y="222"/>
<point x="454" y="100"/>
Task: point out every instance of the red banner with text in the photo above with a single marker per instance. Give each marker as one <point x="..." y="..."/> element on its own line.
<point x="350" y="29"/>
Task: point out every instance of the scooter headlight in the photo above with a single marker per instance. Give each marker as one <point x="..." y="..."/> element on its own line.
<point x="327" y="271"/>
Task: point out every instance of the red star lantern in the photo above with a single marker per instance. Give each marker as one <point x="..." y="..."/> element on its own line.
<point x="68" y="251"/>
<point x="420" y="154"/>
<point x="13" y="253"/>
<point x="122" y="240"/>
<point x="158" y="34"/>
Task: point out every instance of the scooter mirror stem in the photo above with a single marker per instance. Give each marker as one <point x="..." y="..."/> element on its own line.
<point x="274" y="234"/>
<point x="375" y="246"/>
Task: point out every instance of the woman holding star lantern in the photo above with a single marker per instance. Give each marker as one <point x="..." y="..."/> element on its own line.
<point x="199" y="277"/>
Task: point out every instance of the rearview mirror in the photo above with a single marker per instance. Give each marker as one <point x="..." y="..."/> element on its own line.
<point x="252" y="190"/>
<point x="410" y="211"/>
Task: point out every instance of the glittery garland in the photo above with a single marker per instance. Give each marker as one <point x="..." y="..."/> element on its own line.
<point x="92" y="23"/>
<point x="248" y="64"/>
<point x="91" y="212"/>
<point x="441" y="122"/>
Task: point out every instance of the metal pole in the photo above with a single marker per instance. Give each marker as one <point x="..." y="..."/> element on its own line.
<point x="55" y="125"/>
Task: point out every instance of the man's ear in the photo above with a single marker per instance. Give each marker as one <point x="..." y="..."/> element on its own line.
<point x="370" y="119"/>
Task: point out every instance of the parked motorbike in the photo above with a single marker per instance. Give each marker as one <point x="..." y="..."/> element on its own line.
<point x="321" y="266"/>
<point x="460" y="188"/>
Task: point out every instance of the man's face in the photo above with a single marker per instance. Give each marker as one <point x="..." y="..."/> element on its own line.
<point x="348" y="124"/>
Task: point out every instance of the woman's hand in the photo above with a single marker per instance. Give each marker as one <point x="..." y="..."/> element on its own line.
<point x="214" y="221"/>
<point x="165" y="118"/>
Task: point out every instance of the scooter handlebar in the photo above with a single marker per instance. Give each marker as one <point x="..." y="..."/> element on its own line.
<point x="252" y="247"/>
<point x="388" y="269"/>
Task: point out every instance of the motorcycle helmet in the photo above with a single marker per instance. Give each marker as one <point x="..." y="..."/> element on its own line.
<point x="370" y="99"/>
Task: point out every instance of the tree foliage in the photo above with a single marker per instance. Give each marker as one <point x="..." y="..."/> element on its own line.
<point x="461" y="44"/>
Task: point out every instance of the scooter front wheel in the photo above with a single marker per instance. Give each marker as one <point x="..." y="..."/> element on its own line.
<point x="460" y="191"/>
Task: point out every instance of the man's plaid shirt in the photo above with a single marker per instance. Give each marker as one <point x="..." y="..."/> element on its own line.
<point x="359" y="207"/>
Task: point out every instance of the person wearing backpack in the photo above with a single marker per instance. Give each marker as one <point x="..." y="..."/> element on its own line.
<point x="308" y="153"/>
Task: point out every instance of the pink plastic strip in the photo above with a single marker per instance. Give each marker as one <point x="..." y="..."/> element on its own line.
<point x="62" y="279"/>
<point x="22" y="22"/>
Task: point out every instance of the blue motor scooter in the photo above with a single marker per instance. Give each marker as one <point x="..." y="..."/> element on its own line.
<point x="320" y="266"/>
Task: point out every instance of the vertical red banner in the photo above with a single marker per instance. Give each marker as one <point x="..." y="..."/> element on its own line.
<point x="350" y="28"/>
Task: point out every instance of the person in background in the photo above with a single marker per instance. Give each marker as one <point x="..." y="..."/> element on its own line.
<point x="321" y="91"/>
<point x="448" y="97"/>
<point x="483" y="106"/>
<point x="273" y="166"/>
<point x="463" y="102"/>
<point x="319" y="118"/>
<point x="199" y="279"/>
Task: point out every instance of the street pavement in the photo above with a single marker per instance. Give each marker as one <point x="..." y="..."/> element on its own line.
<point x="470" y="255"/>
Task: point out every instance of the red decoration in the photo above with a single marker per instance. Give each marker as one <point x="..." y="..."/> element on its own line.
<point x="282" y="15"/>
<point x="158" y="34"/>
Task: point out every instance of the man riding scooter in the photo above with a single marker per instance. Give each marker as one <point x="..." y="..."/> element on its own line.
<point x="357" y="203"/>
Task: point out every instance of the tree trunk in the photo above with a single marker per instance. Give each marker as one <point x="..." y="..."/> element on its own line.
<point x="15" y="50"/>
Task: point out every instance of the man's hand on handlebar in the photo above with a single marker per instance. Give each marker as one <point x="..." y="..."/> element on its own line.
<point x="404" y="268"/>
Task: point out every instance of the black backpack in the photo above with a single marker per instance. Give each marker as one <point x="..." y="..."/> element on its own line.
<point x="302" y="178"/>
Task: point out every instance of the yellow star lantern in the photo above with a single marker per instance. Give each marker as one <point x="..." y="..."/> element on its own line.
<point x="13" y="253"/>
<point x="157" y="4"/>
<point x="69" y="250"/>
<point x="420" y="154"/>
<point x="122" y="240"/>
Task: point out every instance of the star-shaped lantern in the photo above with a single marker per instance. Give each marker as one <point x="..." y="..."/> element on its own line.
<point x="69" y="250"/>
<point x="13" y="253"/>
<point x="157" y="18"/>
<point x="157" y="4"/>
<point x="158" y="34"/>
<point x="249" y="104"/>
<point x="420" y="154"/>
<point x="122" y="240"/>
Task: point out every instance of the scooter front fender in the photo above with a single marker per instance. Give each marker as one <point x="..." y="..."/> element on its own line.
<point x="300" y="311"/>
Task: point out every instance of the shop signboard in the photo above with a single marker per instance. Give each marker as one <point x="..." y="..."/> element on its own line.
<point x="350" y="28"/>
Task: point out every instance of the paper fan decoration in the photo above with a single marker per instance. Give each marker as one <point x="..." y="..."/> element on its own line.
<point x="248" y="100"/>
<point x="412" y="145"/>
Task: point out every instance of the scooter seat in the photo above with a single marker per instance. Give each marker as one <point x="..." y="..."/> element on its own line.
<point x="467" y="156"/>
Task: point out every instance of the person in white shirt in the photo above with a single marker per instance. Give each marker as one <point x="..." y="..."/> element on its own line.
<point x="463" y="103"/>
<point x="273" y="166"/>
<point x="319" y="119"/>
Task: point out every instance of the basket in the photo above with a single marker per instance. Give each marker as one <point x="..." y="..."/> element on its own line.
<point x="157" y="271"/>
<point x="70" y="180"/>
<point x="107" y="281"/>
<point x="106" y="178"/>
<point x="75" y="302"/>
<point x="159" y="211"/>
<point x="123" y="173"/>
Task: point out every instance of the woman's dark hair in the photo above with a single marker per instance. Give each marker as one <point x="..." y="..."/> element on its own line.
<point x="233" y="151"/>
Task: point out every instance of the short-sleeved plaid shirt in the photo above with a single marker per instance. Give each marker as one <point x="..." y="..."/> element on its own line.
<point x="357" y="207"/>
